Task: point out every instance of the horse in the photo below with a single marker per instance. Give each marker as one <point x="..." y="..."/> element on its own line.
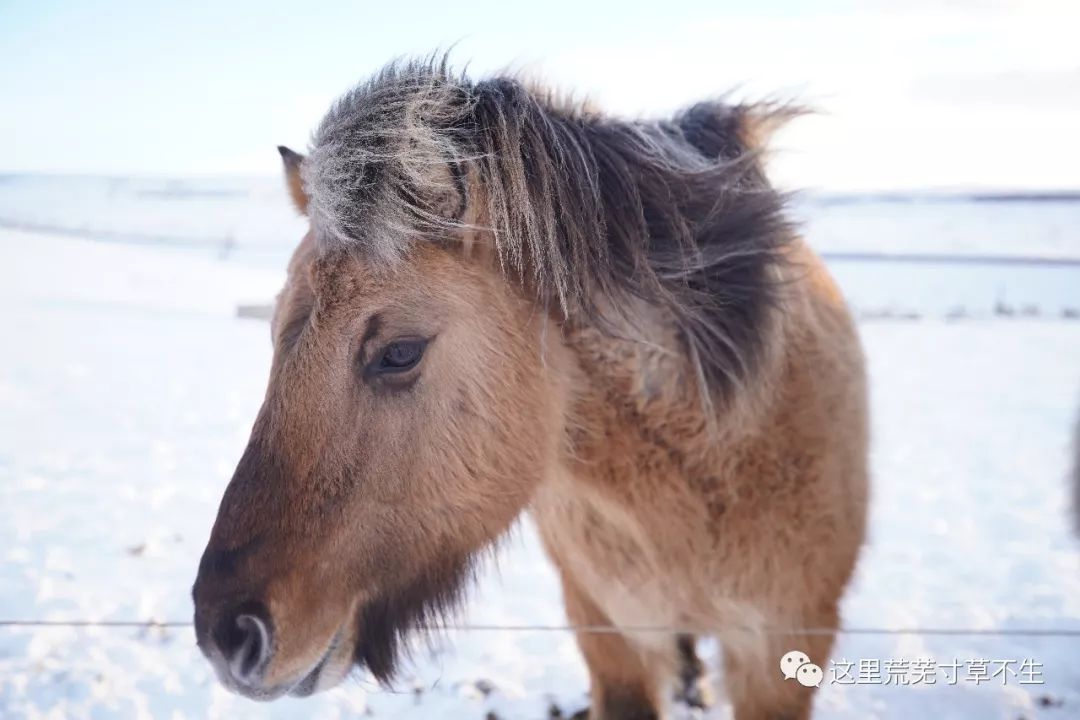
<point x="509" y="302"/>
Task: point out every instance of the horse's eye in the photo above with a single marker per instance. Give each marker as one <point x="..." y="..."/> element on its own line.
<point x="401" y="356"/>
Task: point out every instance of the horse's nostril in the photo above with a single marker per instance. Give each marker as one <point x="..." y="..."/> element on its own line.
<point x="245" y="639"/>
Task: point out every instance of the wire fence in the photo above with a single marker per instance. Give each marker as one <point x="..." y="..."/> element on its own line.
<point x="949" y="258"/>
<point x="618" y="629"/>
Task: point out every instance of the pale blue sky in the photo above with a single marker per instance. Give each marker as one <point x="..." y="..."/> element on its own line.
<point x="969" y="92"/>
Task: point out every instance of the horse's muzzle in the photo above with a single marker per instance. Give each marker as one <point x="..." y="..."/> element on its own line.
<point x="239" y="644"/>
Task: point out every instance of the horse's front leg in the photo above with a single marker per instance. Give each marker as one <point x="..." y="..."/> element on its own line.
<point x="626" y="681"/>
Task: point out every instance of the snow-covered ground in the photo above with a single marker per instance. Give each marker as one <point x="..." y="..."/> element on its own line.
<point x="128" y="385"/>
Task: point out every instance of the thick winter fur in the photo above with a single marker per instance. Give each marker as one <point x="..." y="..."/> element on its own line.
<point x="624" y="337"/>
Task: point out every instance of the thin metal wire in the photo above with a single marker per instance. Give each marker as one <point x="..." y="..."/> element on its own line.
<point x="947" y="259"/>
<point x="95" y="623"/>
<point x="613" y="629"/>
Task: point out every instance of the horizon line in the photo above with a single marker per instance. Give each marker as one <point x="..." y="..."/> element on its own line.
<point x="979" y="193"/>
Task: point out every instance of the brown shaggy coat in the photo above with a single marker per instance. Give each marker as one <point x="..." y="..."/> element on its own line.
<point x="506" y="303"/>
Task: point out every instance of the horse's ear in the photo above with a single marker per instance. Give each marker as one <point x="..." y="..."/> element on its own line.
<point x="292" y="161"/>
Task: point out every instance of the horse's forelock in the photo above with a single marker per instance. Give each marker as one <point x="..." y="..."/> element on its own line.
<point x="593" y="211"/>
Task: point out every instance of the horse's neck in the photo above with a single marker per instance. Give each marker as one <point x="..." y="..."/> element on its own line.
<point x="638" y="394"/>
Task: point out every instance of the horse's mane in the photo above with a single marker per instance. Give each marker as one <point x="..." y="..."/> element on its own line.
<point x="587" y="210"/>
